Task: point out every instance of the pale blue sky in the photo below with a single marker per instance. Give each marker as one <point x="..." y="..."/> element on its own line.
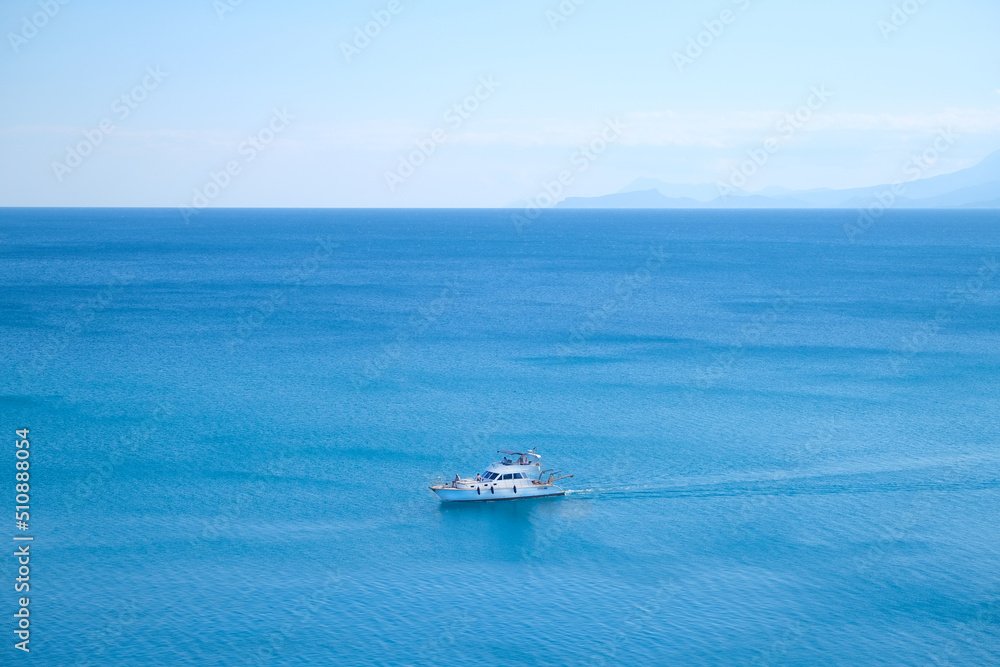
<point x="558" y="87"/>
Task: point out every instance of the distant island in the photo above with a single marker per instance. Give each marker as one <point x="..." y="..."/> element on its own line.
<point x="975" y="187"/>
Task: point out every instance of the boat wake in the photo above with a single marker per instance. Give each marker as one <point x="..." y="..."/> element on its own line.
<point x="914" y="475"/>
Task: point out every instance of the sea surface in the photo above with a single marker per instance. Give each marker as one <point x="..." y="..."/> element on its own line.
<point x="785" y="437"/>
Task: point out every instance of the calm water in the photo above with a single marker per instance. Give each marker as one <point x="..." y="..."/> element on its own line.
<point x="785" y="445"/>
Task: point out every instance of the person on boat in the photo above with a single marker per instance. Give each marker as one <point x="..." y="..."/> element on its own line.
<point x="479" y="477"/>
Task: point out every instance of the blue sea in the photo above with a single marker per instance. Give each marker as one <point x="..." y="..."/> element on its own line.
<point x="784" y="439"/>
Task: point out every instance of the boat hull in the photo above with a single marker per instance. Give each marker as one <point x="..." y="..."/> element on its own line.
<point x="453" y="495"/>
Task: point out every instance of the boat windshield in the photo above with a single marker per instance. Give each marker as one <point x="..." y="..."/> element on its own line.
<point x="511" y="475"/>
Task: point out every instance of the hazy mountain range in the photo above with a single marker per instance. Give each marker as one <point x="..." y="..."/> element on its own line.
<point x="975" y="187"/>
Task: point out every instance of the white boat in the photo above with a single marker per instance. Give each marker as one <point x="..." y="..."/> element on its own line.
<point x="509" y="479"/>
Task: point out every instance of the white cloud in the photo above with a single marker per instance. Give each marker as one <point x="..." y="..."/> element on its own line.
<point x="647" y="128"/>
<point x="642" y="128"/>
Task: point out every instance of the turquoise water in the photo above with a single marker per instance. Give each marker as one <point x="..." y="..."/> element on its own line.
<point x="785" y="445"/>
